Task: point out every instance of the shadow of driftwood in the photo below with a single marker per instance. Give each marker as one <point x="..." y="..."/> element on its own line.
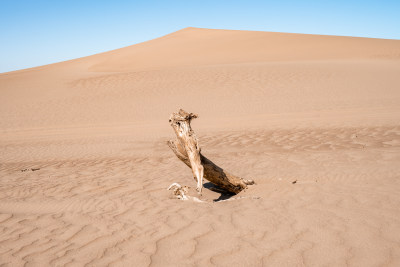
<point x="224" y="194"/>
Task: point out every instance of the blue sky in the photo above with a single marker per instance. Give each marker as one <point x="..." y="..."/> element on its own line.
<point x="36" y="32"/>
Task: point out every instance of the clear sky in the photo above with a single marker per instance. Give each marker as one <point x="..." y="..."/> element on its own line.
<point x="38" y="32"/>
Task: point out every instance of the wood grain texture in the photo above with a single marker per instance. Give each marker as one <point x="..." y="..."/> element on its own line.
<point x="187" y="149"/>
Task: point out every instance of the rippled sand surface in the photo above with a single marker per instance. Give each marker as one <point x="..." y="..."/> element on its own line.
<point x="314" y="120"/>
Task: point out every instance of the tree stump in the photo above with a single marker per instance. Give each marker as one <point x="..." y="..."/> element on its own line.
<point x="187" y="149"/>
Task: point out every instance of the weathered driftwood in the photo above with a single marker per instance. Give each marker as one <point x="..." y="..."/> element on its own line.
<point x="187" y="149"/>
<point x="180" y="122"/>
<point x="180" y="192"/>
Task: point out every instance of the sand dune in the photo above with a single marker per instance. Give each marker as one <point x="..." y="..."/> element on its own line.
<point x="84" y="166"/>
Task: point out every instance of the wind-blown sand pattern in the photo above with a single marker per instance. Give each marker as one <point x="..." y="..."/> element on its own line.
<point x="314" y="120"/>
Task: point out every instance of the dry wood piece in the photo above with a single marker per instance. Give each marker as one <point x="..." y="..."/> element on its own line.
<point x="180" y="122"/>
<point x="180" y="192"/>
<point x="186" y="148"/>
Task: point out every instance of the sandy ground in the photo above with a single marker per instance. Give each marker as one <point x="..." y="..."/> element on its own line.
<point x="314" y="120"/>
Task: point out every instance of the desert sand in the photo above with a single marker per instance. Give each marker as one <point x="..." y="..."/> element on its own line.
<point x="313" y="119"/>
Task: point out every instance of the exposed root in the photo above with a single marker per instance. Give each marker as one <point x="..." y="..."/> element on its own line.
<point x="180" y="192"/>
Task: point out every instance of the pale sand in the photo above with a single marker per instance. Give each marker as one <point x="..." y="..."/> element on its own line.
<point x="277" y="108"/>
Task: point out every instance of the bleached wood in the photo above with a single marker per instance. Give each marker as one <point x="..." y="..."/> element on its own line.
<point x="180" y="122"/>
<point x="180" y="192"/>
<point x="187" y="149"/>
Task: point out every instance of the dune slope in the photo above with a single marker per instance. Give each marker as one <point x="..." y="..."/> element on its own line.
<point x="314" y="120"/>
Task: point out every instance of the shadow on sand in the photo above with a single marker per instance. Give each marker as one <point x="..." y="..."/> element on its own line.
<point x="224" y="194"/>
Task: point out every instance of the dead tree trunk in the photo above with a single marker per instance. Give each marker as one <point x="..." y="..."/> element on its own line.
<point x="187" y="149"/>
